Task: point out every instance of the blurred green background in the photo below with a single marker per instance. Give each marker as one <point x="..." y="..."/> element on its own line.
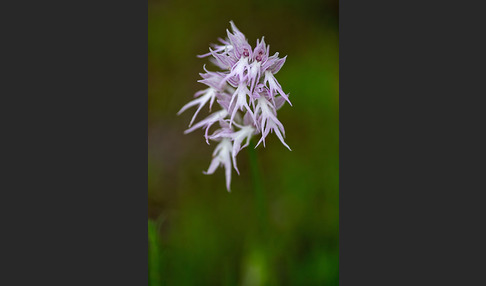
<point x="199" y="234"/>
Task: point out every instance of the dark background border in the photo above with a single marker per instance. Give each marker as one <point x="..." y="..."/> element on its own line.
<point x="410" y="133"/>
<point x="409" y="204"/>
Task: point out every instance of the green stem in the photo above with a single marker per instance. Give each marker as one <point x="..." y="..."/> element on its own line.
<point x="258" y="188"/>
<point x="154" y="258"/>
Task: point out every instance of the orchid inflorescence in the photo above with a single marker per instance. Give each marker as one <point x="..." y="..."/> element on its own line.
<point x="248" y="74"/>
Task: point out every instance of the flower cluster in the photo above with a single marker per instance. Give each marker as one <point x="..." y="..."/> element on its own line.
<point x="248" y="94"/>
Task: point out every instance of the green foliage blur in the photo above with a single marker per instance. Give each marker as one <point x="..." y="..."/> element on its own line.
<point x="199" y="234"/>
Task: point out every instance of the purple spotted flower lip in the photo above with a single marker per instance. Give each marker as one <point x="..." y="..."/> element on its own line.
<point x="247" y="92"/>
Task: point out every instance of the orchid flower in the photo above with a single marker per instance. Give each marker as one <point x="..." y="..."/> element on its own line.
<point x="248" y="93"/>
<point x="207" y="95"/>
<point x="222" y="156"/>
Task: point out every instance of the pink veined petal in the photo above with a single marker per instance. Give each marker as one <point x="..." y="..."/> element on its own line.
<point x="238" y="138"/>
<point x="260" y="141"/>
<point x="188" y="105"/>
<point x="234" y="28"/>
<point x="279" y="102"/>
<point x="193" y="102"/>
<point x="274" y="85"/>
<point x="281" y="138"/>
<point x="223" y="61"/>
<point x="254" y="75"/>
<point x="228" y="175"/>
<point x="234" y="164"/>
<point x="204" y="55"/>
<point x="225" y="105"/>
<point x="270" y="60"/>
<point x="218" y="149"/>
<point x="219" y="64"/>
<point x="239" y="105"/>
<point x="240" y="96"/>
<point x="212" y="167"/>
<point x="199" y="93"/>
<point x="280" y="126"/>
<point x="211" y="103"/>
<point x="247" y="142"/>
<point x="217" y="49"/>
<point x="238" y="41"/>
<point x="248" y="118"/>
<point x="206" y="133"/>
<point x="223" y="41"/>
<point x="208" y="54"/>
<point x="222" y="156"/>
<point x="221" y="123"/>
<point x="222" y="133"/>
<point x="208" y="122"/>
<point x="275" y="68"/>
<point x="264" y="131"/>
<point x="198" y="125"/>
<point x="209" y="96"/>
<point x="238" y="70"/>
<point x="236" y="145"/>
<point x="196" y="113"/>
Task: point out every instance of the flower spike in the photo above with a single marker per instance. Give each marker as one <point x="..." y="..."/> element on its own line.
<point x="248" y="93"/>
